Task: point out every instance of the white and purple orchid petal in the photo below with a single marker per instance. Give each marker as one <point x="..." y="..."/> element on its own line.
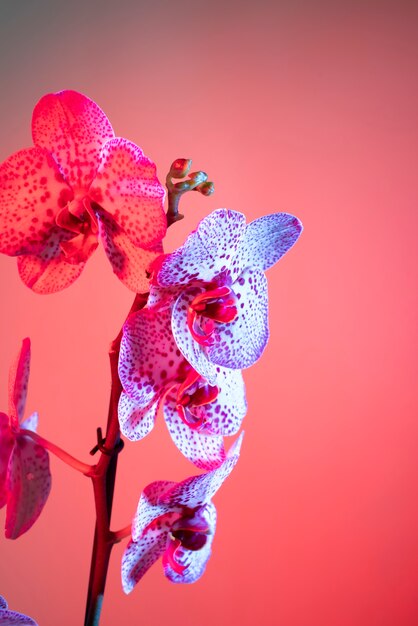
<point x="127" y="187"/>
<point x="150" y="507"/>
<point x="129" y="262"/>
<point x="11" y="618"/>
<point x="189" y="565"/>
<point x="240" y="343"/>
<point x="140" y="555"/>
<point x="3" y="603"/>
<point x="266" y="240"/>
<point x="207" y="252"/>
<point x="193" y="352"/>
<point x="7" y="441"/>
<point x="224" y="415"/>
<point x="74" y="129"/>
<point x="199" y="490"/>
<point x="205" y="451"/>
<point x="163" y="297"/>
<point x="48" y="271"/>
<point x="135" y="421"/>
<point x="32" y="192"/>
<point x="18" y="384"/>
<point x="28" y="484"/>
<point x="149" y="358"/>
<point x="31" y="422"/>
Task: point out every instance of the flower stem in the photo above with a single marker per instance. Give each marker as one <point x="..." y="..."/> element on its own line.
<point x="103" y="479"/>
<point x="84" y="468"/>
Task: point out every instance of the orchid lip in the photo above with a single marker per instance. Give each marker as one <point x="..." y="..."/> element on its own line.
<point x="215" y="305"/>
<point x="192" y="394"/>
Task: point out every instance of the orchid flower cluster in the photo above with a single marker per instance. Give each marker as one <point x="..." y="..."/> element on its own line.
<point x="199" y="317"/>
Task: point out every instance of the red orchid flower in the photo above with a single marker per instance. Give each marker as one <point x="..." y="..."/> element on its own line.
<point x="176" y="521"/>
<point x="10" y="618"/>
<point x="25" y="479"/>
<point x="79" y="184"/>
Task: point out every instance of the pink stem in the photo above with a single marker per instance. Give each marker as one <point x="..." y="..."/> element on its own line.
<point x="84" y="468"/>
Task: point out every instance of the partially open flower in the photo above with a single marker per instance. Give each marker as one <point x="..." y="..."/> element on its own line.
<point x="176" y="521"/>
<point x="79" y="184"/>
<point x="153" y="371"/>
<point x="25" y="479"/>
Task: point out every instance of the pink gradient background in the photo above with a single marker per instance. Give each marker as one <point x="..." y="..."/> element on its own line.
<point x="305" y="107"/>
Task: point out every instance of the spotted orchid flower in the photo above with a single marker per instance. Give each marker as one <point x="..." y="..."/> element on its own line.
<point x="217" y="283"/>
<point x="176" y="521"/>
<point x="25" y="479"/>
<point x="79" y="184"/>
<point x="153" y="372"/>
<point x="10" y="618"/>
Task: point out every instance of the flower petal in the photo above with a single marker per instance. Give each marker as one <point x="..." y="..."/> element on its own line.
<point x="3" y="603"/>
<point x="136" y="421"/>
<point x="127" y="187"/>
<point x="31" y="193"/>
<point x="224" y="415"/>
<point x="267" y="239"/>
<point x="74" y="129"/>
<point x="199" y="490"/>
<point x="6" y="446"/>
<point x="241" y="342"/>
<point x="193" y="352"/>
<point x="206" y="451"/>
<point x="129" y="261"/>
<point x="150" y="507"/>
<point x="141" y="554"/>
<point x="18" y="383"/>
<point x="194" y="561"/>
<point x="11" y="618"/>
<point x="29" y="484"/>
<point x="49" y="272"/>
<point x="207" y="252"/>
<point x="149" y="358"/>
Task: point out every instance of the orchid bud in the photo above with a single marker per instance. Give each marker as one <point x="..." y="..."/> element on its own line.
<point x="198" y="177"/>
<point x="206" y="189"/>
<point x="180" y="168"/>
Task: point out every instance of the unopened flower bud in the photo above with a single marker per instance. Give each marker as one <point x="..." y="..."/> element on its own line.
<point x="207" y="188"/>
<point x="198" y="177"/>
<point x="180" y="168"/>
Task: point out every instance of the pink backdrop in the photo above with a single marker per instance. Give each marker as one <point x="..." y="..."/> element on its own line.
<point x="309" y="108"/>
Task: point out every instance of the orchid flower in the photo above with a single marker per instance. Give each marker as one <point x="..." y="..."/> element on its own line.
<point x="25" y="479"/>
<point x="77" y="184"/>
<point x="153" y="371"/>
<point x="176" y="521"/>
<point x="216" y="286"/>
<point x="10" y="618"/>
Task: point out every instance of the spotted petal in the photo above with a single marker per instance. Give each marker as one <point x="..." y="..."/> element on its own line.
<point x="6" y="447"/>
<point x="141" y="554"/>
<point x="207" y="252"/>
<point x="28" y="484"/>
<point x="129" y="262"/>
<point x="199" y="490"/>
<point x="150" y="507"/>
<point x="18" y="383"/>
<point x="193" y="352"/>
<point x="266" y="240"/>
<point x="203" y="450"/>
<point x="136" y="421"/>
<point x="48" y="271"/>
<point x="149" y="358"/>
<point x="194" y="561"/>
<point x="127" y="187"/>
<point x="11" y="618"/>
<point x="241" y="342"/>
<point x="74" y="129"/>
<point x="31" y="192"/>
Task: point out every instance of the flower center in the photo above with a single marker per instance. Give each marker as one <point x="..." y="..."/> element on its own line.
<point x="189" y="532"/>
<point x="215" y="305"/>
<point x="193" y="392"/>
<point x="78" y="218"/>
